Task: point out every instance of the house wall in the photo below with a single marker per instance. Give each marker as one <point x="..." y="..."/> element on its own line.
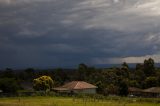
<point x="88" y="91"/>
<point x="135" y="93"/>
<point x="149" y="94"/>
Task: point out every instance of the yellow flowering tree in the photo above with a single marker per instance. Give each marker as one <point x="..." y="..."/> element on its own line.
<point x="43" y="83"/>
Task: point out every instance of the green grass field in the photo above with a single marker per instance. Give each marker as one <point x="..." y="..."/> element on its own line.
<point x="68" y="101"/>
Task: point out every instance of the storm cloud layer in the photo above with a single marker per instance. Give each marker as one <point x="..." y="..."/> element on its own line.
<point x="59" y="33"/>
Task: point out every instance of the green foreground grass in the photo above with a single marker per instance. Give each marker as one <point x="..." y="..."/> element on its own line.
<point x="68" y="101"/>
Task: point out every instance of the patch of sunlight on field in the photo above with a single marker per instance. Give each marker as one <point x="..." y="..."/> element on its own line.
<point x="60" y="101"/>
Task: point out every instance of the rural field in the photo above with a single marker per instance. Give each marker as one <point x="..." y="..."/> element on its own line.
<point x="68" y="101"/>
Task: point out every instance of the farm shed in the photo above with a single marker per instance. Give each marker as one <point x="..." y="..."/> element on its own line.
<point x="135" y="91"/>
<point x="77" y="87"/>
<point x="27" y="86"/>
<point x="152" y="92"/>
<point x="1" y="92"/>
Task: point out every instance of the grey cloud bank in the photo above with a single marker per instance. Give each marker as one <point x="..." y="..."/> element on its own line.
<point x="59" y="33"/>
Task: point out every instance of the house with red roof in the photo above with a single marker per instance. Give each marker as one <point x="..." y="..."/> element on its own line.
<point x="152" y="92"/>
<point x="77" y="87"/>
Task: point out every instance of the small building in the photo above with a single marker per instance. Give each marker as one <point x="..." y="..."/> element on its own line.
<point x="77" y="87"/>
<point x="1" y="92"/>
<point x="27" y="86"/>
<point x="27" y="89"/>
<point x="133" y="91"/>
<point x="152" y="92"/>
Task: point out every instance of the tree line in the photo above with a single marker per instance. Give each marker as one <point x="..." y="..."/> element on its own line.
<point x="114" y="80"/>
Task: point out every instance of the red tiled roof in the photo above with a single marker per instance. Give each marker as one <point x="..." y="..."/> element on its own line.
<point x="76" y="85"/>
<point x="152" y="90"/>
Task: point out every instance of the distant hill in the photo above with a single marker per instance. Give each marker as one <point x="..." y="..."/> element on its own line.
<point x="131" y="65"/>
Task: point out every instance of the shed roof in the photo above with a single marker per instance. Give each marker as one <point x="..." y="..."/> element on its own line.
<point x="60" y="89"/>
<point x="75" y="85"/>
<point x="134" y="89"/>
<point x="27" y="86"/>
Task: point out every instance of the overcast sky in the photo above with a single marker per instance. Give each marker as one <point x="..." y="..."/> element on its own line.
<point x="64" y="33"/>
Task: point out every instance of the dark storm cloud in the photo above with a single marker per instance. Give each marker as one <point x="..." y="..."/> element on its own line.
<point x="50" y="33"/>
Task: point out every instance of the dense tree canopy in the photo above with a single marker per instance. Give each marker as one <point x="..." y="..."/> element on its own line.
<point x="114" y="80"/>
<point x="43" y="83"/>
<point x="149" y="68"/>
<point x="9" y="85"/>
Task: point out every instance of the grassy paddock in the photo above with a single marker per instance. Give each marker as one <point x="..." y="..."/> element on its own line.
<point x="69" y="101"/>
